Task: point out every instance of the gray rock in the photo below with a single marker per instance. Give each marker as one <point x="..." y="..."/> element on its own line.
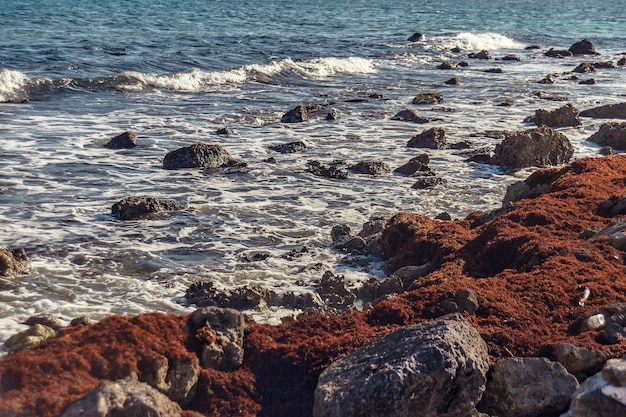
<point x="607" y="151"/>
<point x="198" y="155"/>
<point x="175" y="378"/>
<point x="223" y="330"/>
<point x="598" y="397"/>
<point x="409" y="115"/>
<point x="225" y="131"/>
<point x="133" y="208"/>
<point x="296" y="115"/>
<point x="334" y="170"/>
<point x="428" y="182"/>
<point x="527" y="387"/>
<point x="411" y="273"/>
<point x="611" y="134"/>
<point x="467" y="300"/>
<point x="339" y="232"/>
<point x="375" y="288"/>
<point x="428" y="98"/>
<point x="374" y="168"/>
<point x="29" y="338"/>
<point x="435" y="368"/>
<point x="433" y="138"/>
<point x="614" y="372"/>
<point x="521" y="190"/>
<point x="578" y="359"/>
<point x="453" y="81"/>
<point x="123" y="398"/>
<point x="126" y="140"/>
<point x="333" y="290"/>
<point x="415" y="165"/>
<point x="511" y="57"/>
<point x="332" y="115"/>
<point x="484" y="54"/>
<point x="548" y="79"/>
<point x="554" y="53"/>
<point x="291" y="147"/>
<point x="534" y="147"/>
<point x="584" y="47"/>
<point x="584" y="68"/>
<point x="608" y="111"/>
<point x="13" y="262"/>
<point x="447" y="65"/>
<point x="561" y="117"/>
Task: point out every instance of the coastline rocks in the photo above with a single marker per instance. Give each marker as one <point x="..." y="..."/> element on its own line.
<point x="534" y="147"/>
<point x="296" y="115"/>
<point x="611" y="134"/>
<point x="608" y="111"/>
<point x="561" y="117"/>
<point x="14" y="262"/>
<point x="334" y="170"/>
<point x="578" y="360"/>
<point x="225" y="131"/>
<point x="123" y="398"/>
<point x="484" y="54"/>
<point x="583" y="47"/>
<point x="433" y="368"/>
<point x="291" y="147"/>
<point x="29" y="338"/>
<point x="447" y="65"/>
<point x="527" y="387"/>
<point x="133" y="208"/>
<point x="433" y="138"/>
<point x="198" y="155"/>
<point x="428" y="182"/>
<point x="409" y="115"/>
<point x="417" y="164"/>
<point x="373" y="168"/>
<point x="584" y="68"/>
<point x="126" y="140"/>
<point x="428" y="98"/>
<point x="453" y="81"/>
<point x="344" y="240"/>
<point x="554" y="53"/>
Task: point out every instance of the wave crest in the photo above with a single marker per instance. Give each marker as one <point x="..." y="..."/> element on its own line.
<point x="478" y="41"/>
<point x="13" y="86"/>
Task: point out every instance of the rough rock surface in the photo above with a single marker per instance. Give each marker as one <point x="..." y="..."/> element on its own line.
<point x="578" y="360"/>
<point x="608" y="111"/>
<point x="428" y="98"/>
<point x="126" y="140"/>
<point x="133" y="208"/>
<point x="611" y="134"/>
<point x="374" y="168"/>
<point x="290" y="147"/>
<point x="557" y="53"/>
<point x="534" y="147"/>
<point x="527" y="387"/>
<point x="29" y="338"/>
<point x="296" y="115"/>
<point x="435" y="368"/>
<point x="583" y="47"/>
<point x="13" y="262"/>
<point x="198" y="155"/>
<point x="416" y="164"/>
<point x="604" y="394"/>
<point x="123" y="398"/>
<point x="433" y="138"/>
<point x="561" y="117"/>
<point x="409" y="115"/>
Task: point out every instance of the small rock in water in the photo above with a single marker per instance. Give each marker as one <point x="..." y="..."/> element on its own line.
<point x="433" y="138"/>
<point x="428" y="182"/>
<point x="333" y="114"/>
<point x="198" y="155"/>
<point x="553" y="53"/>
<point x="291" y="147"/>
<point x="511" y="57"/>
<point x="453" y="81"/>
<point x="585" y="68"/>
<point x="126" y="140"/>
<point x="133" y="208"/>
<point x="46" y="319"/>
<point x="225" y="131"/>
<point x="335" y="170"/>
<point x="590" y="81"/>
<point x="410" y="116"/>
<point x="428" y="98"/>
<point x="447" y="65"/>
<point x="13" y="262"/>
<point x="583" y="47"/>
<point x="484" y="54"/>
<point x="416" y="37"/>
<point x="371" y="168"/>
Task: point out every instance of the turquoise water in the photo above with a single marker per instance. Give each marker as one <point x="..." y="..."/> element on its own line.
<point x="73" y="74"/>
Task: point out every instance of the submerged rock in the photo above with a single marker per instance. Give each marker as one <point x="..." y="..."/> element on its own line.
<point x="416" y="164"/>
<point x="410" y="116"/>
<point x="291" y="147"/>
<point x="428" y="98"/>
<point x="371" y="168"/>
<point x="554" y="53"/>
<point x="334" y="170"/>
<point x="416" y="37"/>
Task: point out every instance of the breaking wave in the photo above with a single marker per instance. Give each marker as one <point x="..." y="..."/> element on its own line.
<point x="14" y="86"/>
<point x="478" y="41"/>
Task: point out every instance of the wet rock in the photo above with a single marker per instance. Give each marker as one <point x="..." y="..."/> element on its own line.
<point x="608" y="111"/>
<point x="445" y="216"/>
<point x="415" y="165"/>
<point x="611" y="207"/>
<point x="198" y="155"/>
<point x="561" y="117"/>
<point x="585" y="68"/>
<point x="462" y="145"/>
<point x="45" y="319"/>
<point x="126" y="140"/>
<point x="447" y="65"/>
<point x="578" y="359"/>
<point x="335" y="170"/>
<point x="484" y="54"/>
<point x="494" y="71"/>
<point x="333" y="291"/>
<point x="291" y="147"/>
<point x="428" y="98"/>
<point x="464" y="64"/>
<point x="13" y="262"/>
<point x="605" y="64"/>
<point x="532" y="47"/>
<point x="221" y="331"/>
<point x="548" y="79"/>
<point x="343" y="239"/>
<point x="435" y="367"/>
<point x="607" y="151"/>
<point x="611" y="134"/>
<point x="80" y="321"/>
<point x="244" y="298"/>
<point x="333" y="114"/>
<point x="597" y="396"/>
<point x="123" y="398"/>
<point x="590" y="81"/>
<point x="225" y="131"/>
<point x="481" y="155"/>
<point x="533" y="147"/>
<point x="453" y="81"/>
<point x="416" y="37"/>
<point x="176" y="378"/>
<point x="409" y="115"/>
<point x="339" y="232"/>
<point x="371" y="168"/>
<point x="621" y="62"/>
<point x="133" y="208"/>
<point x="433" y="138"/>
<point x="554" y="53"/>
<point x="583" y="47"/>
<point x="296" y="115"/>
<point x="506" y="103"/>
<point x="511" y="57"/>
<point x="527" y="387"/>
<point x="29" y="338"/>
<point x="428" y="182"/>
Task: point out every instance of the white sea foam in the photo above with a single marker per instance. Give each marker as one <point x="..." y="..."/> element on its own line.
<point x="13" y="86"/>
<point x="477" y="41"/>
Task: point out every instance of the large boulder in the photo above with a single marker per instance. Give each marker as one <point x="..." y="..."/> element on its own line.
<point x="435" y="368"/>
<point x="527" y="387"/>
<point x="611" y="134"/>
<point x="608" y="111"/>
<point x="533" y="147"/>
<point x="126" y="140"/>
<point x="133" y="208"/>
<point x="198" y="155"/>
<point x="563" y="116"/>
<point x="13" y="262"/>
<point x="433" y="138"/>
<point x="584" y="47"/>
<point x="123" y="398"/>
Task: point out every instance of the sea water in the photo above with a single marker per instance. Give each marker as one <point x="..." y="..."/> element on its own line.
<point x="76" y="73"/>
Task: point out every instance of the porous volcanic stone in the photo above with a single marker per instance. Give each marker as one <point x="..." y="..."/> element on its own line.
<point x="132" y="208"/>
<point x="198" y="155"/>
<point x="584" y="47"/>
<point x="611" y="134"/>
<point x="433" y="138"/>
<point x="608" y="111"/>
<point x="533" y="147"/>
<point x="561" y="117"/>
<point x="125" y="140"/>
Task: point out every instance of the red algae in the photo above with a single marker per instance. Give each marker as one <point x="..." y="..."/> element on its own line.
<point x="527" y="262"/>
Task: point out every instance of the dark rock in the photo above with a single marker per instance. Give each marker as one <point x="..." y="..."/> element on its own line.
<point x="416" y="37"/>
<point x="578" y="359"/>
<point x="548" y="79"/>
<point x="244" y="298"/>
<point x="590" y="81"/>
<point x="511" y="57"/>
<point x="531" y="47"/>
<point x="447" y="65"/>
<point x="506" y="103"/>
<point x="597" y="397"/>
<point x="416" y="164"/>
<point x="521" y="190"/>
<point x="409" y="115"/>
<point x="611" y="134"/>
<point x="133" y="208"/>
<point x="573" y="78"/>
<point x="585" y="68"/>
<point x="123" y="398"/>
<point x="614" y="334"/>
<point x="270" y="160"/>
<point x="527" y="387"/>
<point x="584" y="47"/>
<point x="296" y="115"/>
<point x="13" y="262"/>
<point x="335" y="170"/>
<point x="607" y="151"/>
<point x="553" y="53"/>
<point x="221" y="332"/>
<point x="371" y="168"/>
<point x="480" y="55"/>
<point x="428" y="98"/>
<point x="290" y="147"/>
<point x="435" y="367"/>
<point x="462" y="145"/>
<point x="332" y="115"/>
<point x="608" y="111"/>
<point x="126" y="140"/>
<point x="428" y="182"/>
<point x="494" y="71"/>
<point x="225" y="131"/>
<point x="176" y="378"/>
<point x="433" y="138"/>
<point x="445" y="216"/>
<point x="80" y="321"/>
<point x="482" y="155"/>
<point x="47" y="320"/>
<point x="464" y="64"/>
<point x="199" y="155"/>
<point x="605" y="64"/>
<point x="534" y="147"/>
<point x="453" y="81"/>
<point x="621" y="62"/>
<point x="340" y="231"/>
<point x="343" y="239"/>
<point x="563" y="116"/>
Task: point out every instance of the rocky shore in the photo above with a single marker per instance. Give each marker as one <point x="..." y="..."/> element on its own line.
<point x="529" y="296"/>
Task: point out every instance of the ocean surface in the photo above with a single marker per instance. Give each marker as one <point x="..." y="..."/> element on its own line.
<point x="74" y="74"/>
